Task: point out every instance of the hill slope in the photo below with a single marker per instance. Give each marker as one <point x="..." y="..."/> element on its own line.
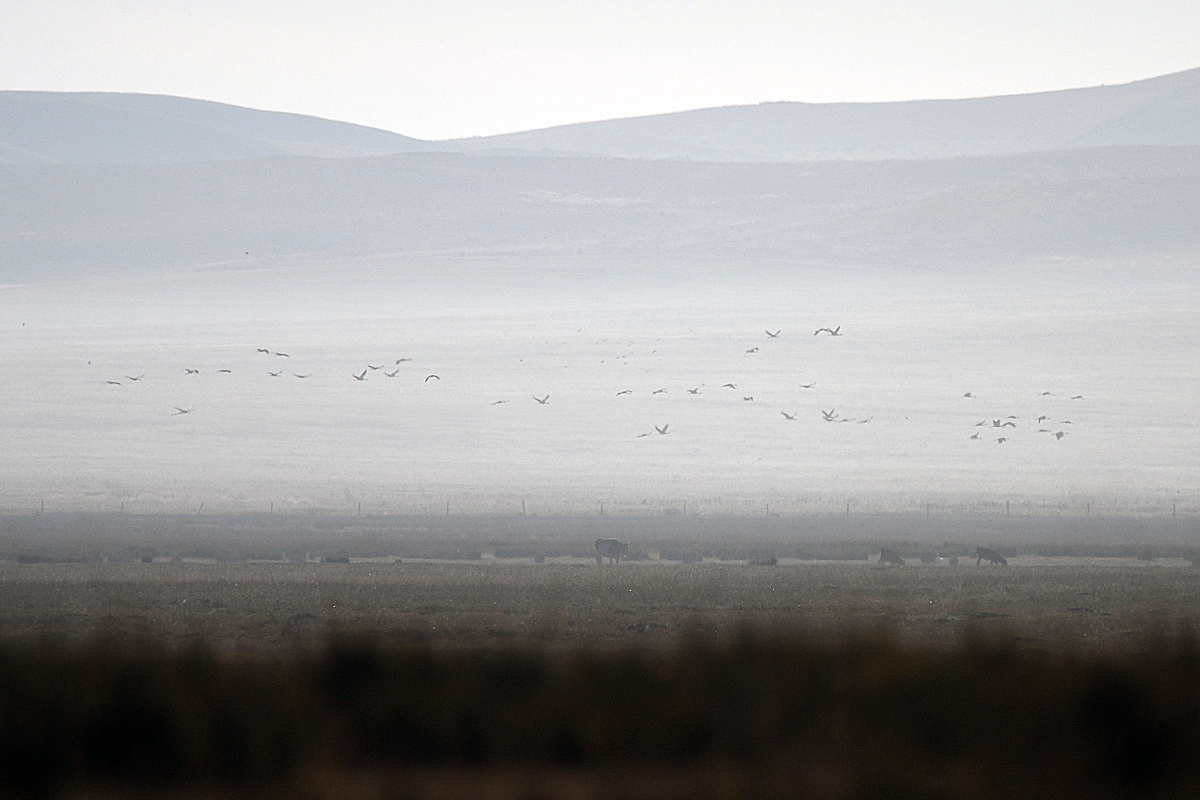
<point x="1157" y="111"/>
<point x="104" y="128"/>
<point x="62" y="221"/>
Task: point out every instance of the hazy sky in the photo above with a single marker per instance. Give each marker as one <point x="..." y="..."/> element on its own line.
<point x="445" y="68"/>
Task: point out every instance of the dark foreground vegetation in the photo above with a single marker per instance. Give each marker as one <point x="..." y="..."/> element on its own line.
<point x="749" y="715"/>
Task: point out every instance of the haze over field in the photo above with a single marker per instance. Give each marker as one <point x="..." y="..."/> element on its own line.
<point x="1019" y="269"/>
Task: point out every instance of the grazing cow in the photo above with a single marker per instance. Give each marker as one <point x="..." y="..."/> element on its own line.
<point x="611" y="549"/>
<point x="889" y="556"/>
<point x="988" y="554"/>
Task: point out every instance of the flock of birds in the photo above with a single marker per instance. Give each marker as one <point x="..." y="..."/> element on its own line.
<point x="361" y="376"/>
<point x="1011" y="422"/>
<point x="543" y="400"/>
<point x="697" y="390"/>
<point x="1001" y="427"/>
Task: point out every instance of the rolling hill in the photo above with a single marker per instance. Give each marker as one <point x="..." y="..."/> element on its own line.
<point x="61" y="221"/>
<point x="1157" y="111"/>
<point x="108" y="183"/>
<point x="107" y="128"/>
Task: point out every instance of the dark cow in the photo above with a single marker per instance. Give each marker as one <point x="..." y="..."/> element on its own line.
<point x="988" y="554"/>
<point x="611" y="549"/>
<point x="889" y="556"/>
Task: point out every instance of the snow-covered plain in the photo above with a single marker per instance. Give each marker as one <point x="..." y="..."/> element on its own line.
<point x="912" y="346"/>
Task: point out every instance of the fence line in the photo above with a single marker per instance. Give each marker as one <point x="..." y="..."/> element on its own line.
<point x="452" y="503"/>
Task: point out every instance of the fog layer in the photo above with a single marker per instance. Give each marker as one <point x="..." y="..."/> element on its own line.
<point x="576" y="331"/>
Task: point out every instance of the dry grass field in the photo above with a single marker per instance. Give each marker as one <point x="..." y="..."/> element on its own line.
<point x="1101" y="603"/>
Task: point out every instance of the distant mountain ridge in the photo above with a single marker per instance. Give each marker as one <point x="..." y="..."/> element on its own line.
<point x="1157" y="111"/>
<point x="109" y="128"/>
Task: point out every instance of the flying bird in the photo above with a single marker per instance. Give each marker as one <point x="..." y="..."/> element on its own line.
<point x="789" y="416"/>
<point x="728" y="386"/>
<point x="362" y="376"/>
<point x="807" y="385"/>
<point x="694" y="391"/>
<point x="747" y="398"/>
<point x="1060" y="434"/>
<point x="830" y="415"/>
<point x="179" y="411"/>
<point x="392" y="374"/>
<point x="659" y="391"/>
<point x="1077" y="397"/>
<point x="663" y="430"/>
<point x="499" y="402"/>
<point x="187" y="371"/>
<point x="429" y="377"/>
<point x="831" y="331"/>
<point x="775" y="335"/>
<point x="1047" y="394"/>
<point x="1001" y="440"/>
<point x="543" y="400"/>
<point x="274" y="374"/>
<point x="225" y="370"/>
<point x="284" y="355"/>
<point x="752" y="350"/>
<point x="113" y="383"/>
<point x="402" y="360"/>
<point x="975" y="435"/>
<point x="138" y="378"/>
<point x="968" y="394"/>
<point x="372" y="366"/>
<point x="263" y="350"/>
<point x="298" y="375"/>
<point x="624" y="391"/>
